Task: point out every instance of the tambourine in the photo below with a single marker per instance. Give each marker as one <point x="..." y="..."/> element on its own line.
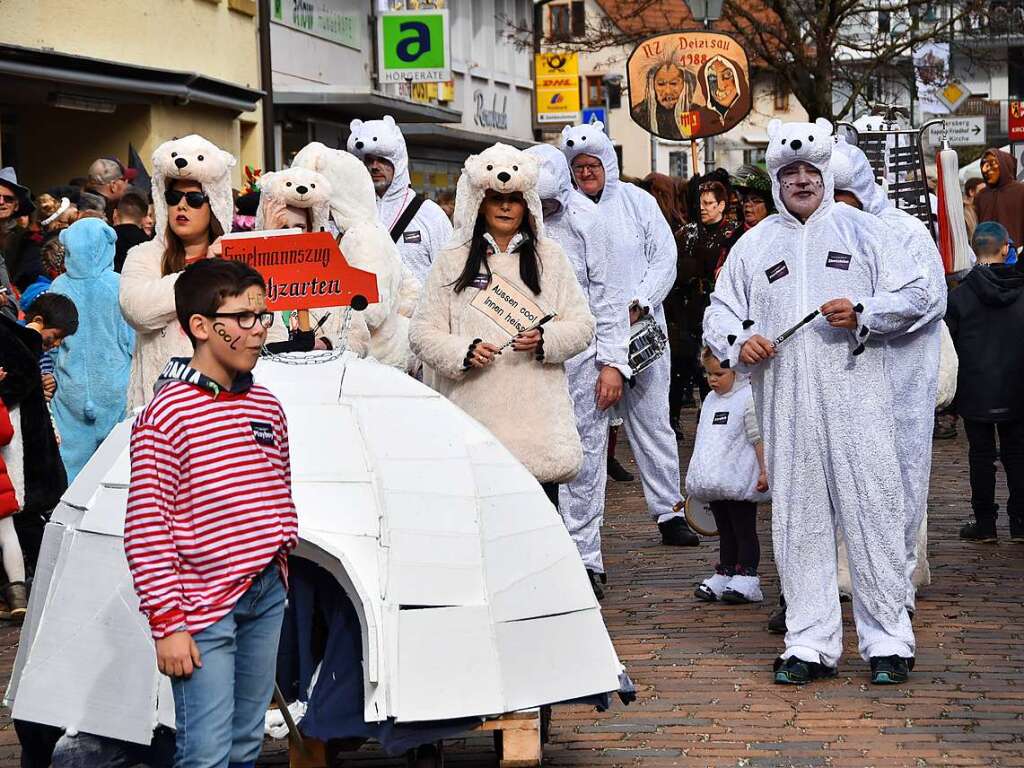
<point x="698" y="516"/>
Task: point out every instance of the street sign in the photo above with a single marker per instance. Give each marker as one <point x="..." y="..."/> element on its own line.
<point x="953" y="95"/>
<point x="413" y="47"/>
<point x="1016" y="120"/>
<point x="557" y="87"/>
<point x="960" y="132"/>
<point x="593" y="115"/>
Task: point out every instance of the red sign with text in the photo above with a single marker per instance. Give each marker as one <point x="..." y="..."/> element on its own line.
<point x="1016" y="127"/>
<point x="303" y="271"/>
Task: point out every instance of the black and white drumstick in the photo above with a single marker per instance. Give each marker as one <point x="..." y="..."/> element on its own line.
<point x="786" y="334"/>
<point x="543" y="321"/>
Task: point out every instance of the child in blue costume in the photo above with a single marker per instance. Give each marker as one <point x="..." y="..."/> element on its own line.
<point x="92" y="367"/>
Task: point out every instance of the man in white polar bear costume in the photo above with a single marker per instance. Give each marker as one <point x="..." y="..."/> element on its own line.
<point x="814" y="395"/>
<point x="418" y="226"/>
<point x="643" y="255"/>
<point x="367" y="245"/>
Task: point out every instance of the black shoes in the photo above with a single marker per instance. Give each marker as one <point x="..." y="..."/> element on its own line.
<point x="890" y="670"/>
<point x="676" y="533"/>
<point x="597" y="582"/>
<point x="794" y="671"/>
<point x="618" y="472"/>
<point x="980" y="533"/>
<point x="777" y="621"/>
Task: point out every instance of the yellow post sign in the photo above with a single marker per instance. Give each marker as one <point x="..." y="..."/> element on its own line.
<point x="557" y="87"/>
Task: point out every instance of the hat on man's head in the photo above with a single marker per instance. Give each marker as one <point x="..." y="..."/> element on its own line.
<point x="9" y="178"/>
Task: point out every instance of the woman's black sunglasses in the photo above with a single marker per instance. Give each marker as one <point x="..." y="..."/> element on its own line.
<point x="194" y="199"/>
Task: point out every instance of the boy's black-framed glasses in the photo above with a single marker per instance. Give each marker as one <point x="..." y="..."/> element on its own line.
<point x="247" y="320"/>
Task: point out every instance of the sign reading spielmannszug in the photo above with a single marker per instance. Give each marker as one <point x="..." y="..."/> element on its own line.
<point x="303" y="271"/>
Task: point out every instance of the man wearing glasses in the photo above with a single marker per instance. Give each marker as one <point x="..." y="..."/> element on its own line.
<point x="644" y="256"/>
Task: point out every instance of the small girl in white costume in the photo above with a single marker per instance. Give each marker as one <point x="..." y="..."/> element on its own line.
<point x="727" y="469"/>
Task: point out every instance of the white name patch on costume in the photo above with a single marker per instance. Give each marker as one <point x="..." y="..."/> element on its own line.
<point x="509" y="308"/>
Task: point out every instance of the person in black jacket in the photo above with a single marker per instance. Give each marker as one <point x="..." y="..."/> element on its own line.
<point x="985" y="315"/>
<point x="52" y="317"/>
<point x="128" y="215"/>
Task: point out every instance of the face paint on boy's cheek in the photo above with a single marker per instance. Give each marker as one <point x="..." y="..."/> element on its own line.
<point x="231" y="341"/>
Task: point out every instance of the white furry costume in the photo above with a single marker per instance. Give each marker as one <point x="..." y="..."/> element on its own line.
<point x="523" y="401"/>
<point x="367" y="245"/>
<point x="824" y="402"/>
<point x="302" y="188"/>
<point x="912" y="358"/>
<point x="644" y="258"/>
<point x="429" y="231"/>
<point x="146" y="295"/>
<point x="578" y="228"/>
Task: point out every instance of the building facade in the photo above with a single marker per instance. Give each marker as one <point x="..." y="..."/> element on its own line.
<point x="80" y="82"/>
<point x="322" y="81"/>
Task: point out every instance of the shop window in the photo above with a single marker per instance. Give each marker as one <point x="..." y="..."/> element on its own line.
<point x="754" y="156"/>
<point x="595" y="91"/>
<point x="780" y="90"/>
<point x="679" y="164"/>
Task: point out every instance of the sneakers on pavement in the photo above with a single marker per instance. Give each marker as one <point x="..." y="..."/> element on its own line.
<point x="794" y="671"/>
<point x="742" y="590"/>
<point x="890" y="670"/>
<point x="710" y="590"/>
<point x="777" y="621"/>
<point x="979" y="533"/>
<point x="676" y="533"/>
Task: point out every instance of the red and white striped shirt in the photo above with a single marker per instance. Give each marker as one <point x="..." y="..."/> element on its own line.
<point x="210" y="504"/>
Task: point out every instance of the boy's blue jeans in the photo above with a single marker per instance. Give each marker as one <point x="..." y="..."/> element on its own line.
<point x="220" y="709"/>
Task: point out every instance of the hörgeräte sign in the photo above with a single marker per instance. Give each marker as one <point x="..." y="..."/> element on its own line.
<point x="688" y="85"/>
<point x="413" y="47"/>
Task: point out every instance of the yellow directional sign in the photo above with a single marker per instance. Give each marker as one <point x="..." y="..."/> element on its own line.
<point x="557" y="87"/>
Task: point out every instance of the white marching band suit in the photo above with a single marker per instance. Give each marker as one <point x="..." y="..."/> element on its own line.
<point x="643" y="257"/>
<point x="578" y="228"/>
<point x="825" y="406"/>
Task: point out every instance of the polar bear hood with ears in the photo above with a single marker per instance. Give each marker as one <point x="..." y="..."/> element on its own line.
<point x="503" y="169"/>
<point x="353" y="200"/>
<point x="853" y="173"/>
<point x="382" y="138"/>
<point x="299" y="188"/>
<point x="590" y="139"/>
<point x="810" y="143"/>
<point x="197" y="159"/>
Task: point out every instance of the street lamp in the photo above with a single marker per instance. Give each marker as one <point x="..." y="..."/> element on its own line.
<point x="706" y="11"/>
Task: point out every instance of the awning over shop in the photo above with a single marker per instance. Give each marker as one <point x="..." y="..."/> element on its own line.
<point x="445" y="136"/>
<point x="337" y="105"/>
<point x="53" y="72"/>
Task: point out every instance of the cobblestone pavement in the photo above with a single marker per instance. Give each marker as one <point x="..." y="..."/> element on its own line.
<point x="703" y="672"/>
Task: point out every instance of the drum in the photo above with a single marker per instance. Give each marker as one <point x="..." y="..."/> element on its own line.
<point x="698" y="515"/>
<point x="647" y="343"/>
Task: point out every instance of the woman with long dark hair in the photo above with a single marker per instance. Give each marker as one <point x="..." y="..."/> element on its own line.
<point x="477" y="327"/>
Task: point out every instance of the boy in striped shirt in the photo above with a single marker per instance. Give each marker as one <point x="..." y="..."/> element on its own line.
<point x="210" y="518"/>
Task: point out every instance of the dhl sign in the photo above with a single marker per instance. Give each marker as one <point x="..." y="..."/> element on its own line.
<point x="557" y="87"/>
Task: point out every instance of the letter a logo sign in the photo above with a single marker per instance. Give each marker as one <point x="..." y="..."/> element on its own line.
<point x="413" y="47"/>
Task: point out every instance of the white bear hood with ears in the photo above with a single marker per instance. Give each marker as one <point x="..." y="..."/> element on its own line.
<point x="196" y="159"/>
<point x="810" y="143"/>
<point x="501" y="168"/>
<point x="853" y="173"/>
<point x="300" y="188"/>
<point x="590" y="139"/>
<point x="382" y="138"/>
<point x="555" y="179"/>
<point x="353" y="200"/>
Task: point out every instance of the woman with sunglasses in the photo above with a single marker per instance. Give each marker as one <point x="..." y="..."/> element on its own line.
<point x="192" y="192"/>
<point x="509" y="377"/>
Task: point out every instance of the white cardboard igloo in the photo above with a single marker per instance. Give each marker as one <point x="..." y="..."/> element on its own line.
<point x="472" y="598"/>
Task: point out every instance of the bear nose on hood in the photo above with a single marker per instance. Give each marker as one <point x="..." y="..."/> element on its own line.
<point x="504" y="177"/>
<point x="796" y="144"/>
<point x="181" y="162"/>
<point x="302" y="189"/>
<point x="570" y="143"/>
<point x="359" y="145"/>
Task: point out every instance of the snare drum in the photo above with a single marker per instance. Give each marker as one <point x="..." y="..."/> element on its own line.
<point x="647" y="343"/>
<point x="698" y="515"/>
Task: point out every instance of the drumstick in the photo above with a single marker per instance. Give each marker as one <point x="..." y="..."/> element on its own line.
<point x="786" y="334"/>
<point x="543" y="320"/>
